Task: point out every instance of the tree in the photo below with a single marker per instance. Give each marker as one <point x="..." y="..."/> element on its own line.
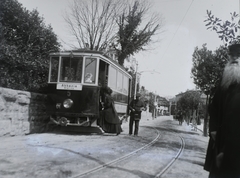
<point x="208" y="67"/>
<point x="151" y="101"/>
<point x="226" y="30"/>
<point x="104" y="25"/>
<point x="190" y="100"/>
<point x="92" y="23"/>
<point x="25" y="44"/>
<point x="207" y="71"/>
<point x="130" y="38"/>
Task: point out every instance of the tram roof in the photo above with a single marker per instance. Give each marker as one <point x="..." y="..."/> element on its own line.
<point x="85" y="52"/>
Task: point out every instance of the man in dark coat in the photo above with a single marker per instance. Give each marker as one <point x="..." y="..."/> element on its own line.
<point x="223" y="154"/>
<point x="136" y="107"/>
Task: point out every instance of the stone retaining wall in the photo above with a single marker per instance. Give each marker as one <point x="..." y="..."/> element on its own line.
<point x="22" y="112"/>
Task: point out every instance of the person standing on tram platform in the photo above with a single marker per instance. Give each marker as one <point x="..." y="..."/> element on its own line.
<point x="136" y="107"/>
<point x="109" y="120"/>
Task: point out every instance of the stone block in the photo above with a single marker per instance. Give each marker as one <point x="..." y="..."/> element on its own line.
<point x="23" y="116"/>
<point x="23" y="98"/>
<point x="5" y="127"/>
<point x="2" y="104"/>
<point x="21" y="112"/>
<point x="11" y="107"/>
<point x="23" y="109"/>
<point x="25" y="127"/>
<point x="9" y="94"/>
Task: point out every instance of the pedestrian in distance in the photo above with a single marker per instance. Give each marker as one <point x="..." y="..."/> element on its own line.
<point x="109" y="120"/>
<point x="152" y="109"/>
<point x="184" y="115"/>
<point x="223" y="152"/>
<point x="136" y="107"/>
<point x="180" y="117"/>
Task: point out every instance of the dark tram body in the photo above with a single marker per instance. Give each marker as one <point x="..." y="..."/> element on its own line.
<point x="75" y="80"/>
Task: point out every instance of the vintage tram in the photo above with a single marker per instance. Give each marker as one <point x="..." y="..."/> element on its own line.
<point x="75" y="80"/>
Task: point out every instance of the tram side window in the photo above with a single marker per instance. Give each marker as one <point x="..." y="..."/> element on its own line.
<point x="125" y="84"/>
<point x="120" y="81"/>
<point x="112" y="78"/>
<point x="90" y="70"/>
<point x="54" y="63"/>
<point x="71" y="69"/>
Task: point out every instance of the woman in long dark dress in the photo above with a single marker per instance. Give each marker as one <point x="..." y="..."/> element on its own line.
<point x="109" y="120"/>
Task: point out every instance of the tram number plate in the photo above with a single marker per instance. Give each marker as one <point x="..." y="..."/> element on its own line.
<point x="67" y="86"/>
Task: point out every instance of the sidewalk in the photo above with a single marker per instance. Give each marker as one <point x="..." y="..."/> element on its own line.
<point x="147" y="117"/>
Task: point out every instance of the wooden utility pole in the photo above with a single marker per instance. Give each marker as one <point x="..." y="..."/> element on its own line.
<point x="135" y="89"/>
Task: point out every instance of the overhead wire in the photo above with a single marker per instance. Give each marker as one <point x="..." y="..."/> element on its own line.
<point x="177" y="29"/>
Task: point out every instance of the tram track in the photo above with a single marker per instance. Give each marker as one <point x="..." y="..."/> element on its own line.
<point x="173" y="160"/>
<point x="133" y="153"/>
<point x="103" y="166"/>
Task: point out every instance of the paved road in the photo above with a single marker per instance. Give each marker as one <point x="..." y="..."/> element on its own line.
<point x="66" y="155"/>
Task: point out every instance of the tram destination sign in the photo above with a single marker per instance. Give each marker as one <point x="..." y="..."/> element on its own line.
<point x="67" y="86"/>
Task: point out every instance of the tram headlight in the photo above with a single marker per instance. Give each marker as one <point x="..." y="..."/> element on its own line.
<point x="67" y="103"/>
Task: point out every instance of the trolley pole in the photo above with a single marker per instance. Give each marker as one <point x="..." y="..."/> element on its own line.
<point x="155" y="105"/>
<point x="135" y="89"/>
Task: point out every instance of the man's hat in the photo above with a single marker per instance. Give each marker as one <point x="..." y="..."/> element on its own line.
<point x="138" y="94"/>
<point x="234" y="50"/>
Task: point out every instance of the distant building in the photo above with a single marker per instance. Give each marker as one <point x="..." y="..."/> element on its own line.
<point x="163" y="105"/>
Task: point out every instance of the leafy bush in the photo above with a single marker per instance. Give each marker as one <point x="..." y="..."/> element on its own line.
<point x="25" y="42"/>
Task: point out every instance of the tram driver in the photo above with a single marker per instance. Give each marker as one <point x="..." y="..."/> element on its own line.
<point x="88" y="78"/>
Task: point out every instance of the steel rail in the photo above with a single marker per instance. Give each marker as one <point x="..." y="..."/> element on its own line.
<point x="103" y="166"/>
<point x="173" y="160"/>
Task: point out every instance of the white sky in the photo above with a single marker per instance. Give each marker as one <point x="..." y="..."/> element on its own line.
<point x="184" y="29"/>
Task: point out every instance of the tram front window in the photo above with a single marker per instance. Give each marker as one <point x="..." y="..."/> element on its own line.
<point x="90" y="70"/>
<point x="71" y="69"/>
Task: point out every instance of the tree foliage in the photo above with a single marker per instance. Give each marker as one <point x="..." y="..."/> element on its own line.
<point x="131" y="38"/>
<point x="208" y="67"/>
<point x="25" y="44"/>
<point x="226" y="30"/>
<point x="207" y="71"/>
<point x="105" y="25"/>
<point x="189" y="101"/>
<point x="152" y="100"/>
